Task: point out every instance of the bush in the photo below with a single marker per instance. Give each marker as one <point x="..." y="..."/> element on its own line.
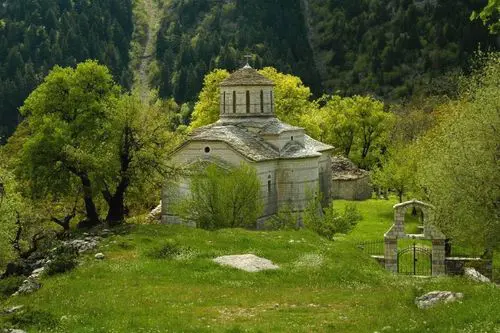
<point x="329" y="222"/>
<point x="168" y="250"/>
<point x="285" y="219"/>
<point x="64" y="260"/>
<point x="30" y="317"/>
<point x="9" y="285"/>
<point x="222" y="198"/>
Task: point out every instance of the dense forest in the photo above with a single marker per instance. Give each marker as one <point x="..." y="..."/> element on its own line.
<point x="35" y="35"/>
<point x="391" y="49"/>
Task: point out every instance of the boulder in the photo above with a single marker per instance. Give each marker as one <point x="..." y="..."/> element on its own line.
<point x="155" y="214"/>
<point x="99" y="256"/>
<point x="246" y="262"/>
<point x="472" y="274"/>
<point x="37" y="272"/>
<point x="29" y="286"/>
<point x="13" y="309"/>
<point x="434" y="297"/>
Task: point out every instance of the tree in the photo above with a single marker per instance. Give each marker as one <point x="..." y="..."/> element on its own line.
<point x="69" y="121"/>
<point x="141" y="142"/>
<point x="491" y="12"/>
<point x="221" y="198"/>
<point x="459" y="161"/>
<point x="357" y="126"/>
<point x="10" y="204"/>
<point x="290" y="95"/>
<point x="207" y="108"/>
<point x="83" y="129"/>
<point x="397" y="171"/>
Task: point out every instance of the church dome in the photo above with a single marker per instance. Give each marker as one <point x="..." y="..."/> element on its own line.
<point x="246" y="93"/>
<point x="246" y="76"/>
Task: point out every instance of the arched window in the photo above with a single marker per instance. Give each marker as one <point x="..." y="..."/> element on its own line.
<point x="248" y="101"/>
<point x="234" y="101"/>
<point x="262" y="101"/>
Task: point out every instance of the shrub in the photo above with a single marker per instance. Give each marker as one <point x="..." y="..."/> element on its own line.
<point x="30" y="317"/>
<point x="9" y="285"/>
<point x="168" y="250"/>
<point x="64" y="260"/>
<point x="222" y="198"/>
<point x="285" y="219"/>
<point x="329" y="221"/>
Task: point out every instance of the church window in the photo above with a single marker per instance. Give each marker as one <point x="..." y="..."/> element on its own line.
<point x="269" y="184"/>
<point x="291" y="137"/>
<point x="207" y="150"/>
<point x="272" y="101"/>
<point x="248" y="101"/>
<point x="261" y="101"/>
<point x="234" y="101"/>
<point x="224" y="103"/>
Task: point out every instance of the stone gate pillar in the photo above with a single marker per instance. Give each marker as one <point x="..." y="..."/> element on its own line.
<point x="438" y="257"/>
<point x="391" y="254"/>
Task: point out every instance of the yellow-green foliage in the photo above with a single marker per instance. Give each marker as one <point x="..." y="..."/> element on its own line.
<point x="10" y="204"/>
<point x="459" y="161"/>
<point x="206" y="109"/>
<point x="222" y="198"/>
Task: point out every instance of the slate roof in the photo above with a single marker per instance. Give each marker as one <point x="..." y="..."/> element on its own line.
<point x="344" y="169"/>
<point x="244" y="142"/>
<point x="295" y="150"/>
<point x="246" y="76"/>
<point x="251" y="145"/>
<point x="315" y="144"/>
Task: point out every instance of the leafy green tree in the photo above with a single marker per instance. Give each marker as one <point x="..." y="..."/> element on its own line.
<point x="491" y="12"/>
<point x="10" y="205"/>
<point x="397" y="171"/>
<point x="140" y="141"/>
<point x="292" y="97"/>
<point x="222" y="198"/>
<point x="459" y="161"/>
<point x="358" y="126"/>
<point x="82" y="129"/>
<point x="206" y="110"/>
<point x="69" y="121"/>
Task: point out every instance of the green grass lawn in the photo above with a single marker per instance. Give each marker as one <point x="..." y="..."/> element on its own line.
<point x="322" y="286"/>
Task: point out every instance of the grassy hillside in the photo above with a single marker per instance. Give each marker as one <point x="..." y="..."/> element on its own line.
<point x="159" y="278"/>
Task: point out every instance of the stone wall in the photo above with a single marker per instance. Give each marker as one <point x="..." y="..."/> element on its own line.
<point x="295" y="178"/>
<point x="352" y="189"/>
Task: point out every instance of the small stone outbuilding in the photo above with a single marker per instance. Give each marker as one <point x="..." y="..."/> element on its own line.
<point x="289" y="163"/>
<point x="348" y="181"/>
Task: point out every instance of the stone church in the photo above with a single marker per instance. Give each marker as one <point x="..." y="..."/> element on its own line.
<point x="289" y="163"/>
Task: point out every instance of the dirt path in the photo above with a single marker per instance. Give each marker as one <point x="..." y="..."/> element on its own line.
<point x="320" y="66"/>
<point x="142" y="79"/>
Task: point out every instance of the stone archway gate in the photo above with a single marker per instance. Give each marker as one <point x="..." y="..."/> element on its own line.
<point x="430" y="232"/>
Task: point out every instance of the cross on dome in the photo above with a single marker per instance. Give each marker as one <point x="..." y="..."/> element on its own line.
<point x="248" y="57"/>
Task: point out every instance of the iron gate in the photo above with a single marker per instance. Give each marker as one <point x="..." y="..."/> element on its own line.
<point x="415" y="260"/>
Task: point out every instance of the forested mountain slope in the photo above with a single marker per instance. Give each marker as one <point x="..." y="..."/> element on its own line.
<point x="389" y="48"/>
<point x="35" y="35"/>
<point x="197" y="36"/>
<point x="392" y="49"/>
